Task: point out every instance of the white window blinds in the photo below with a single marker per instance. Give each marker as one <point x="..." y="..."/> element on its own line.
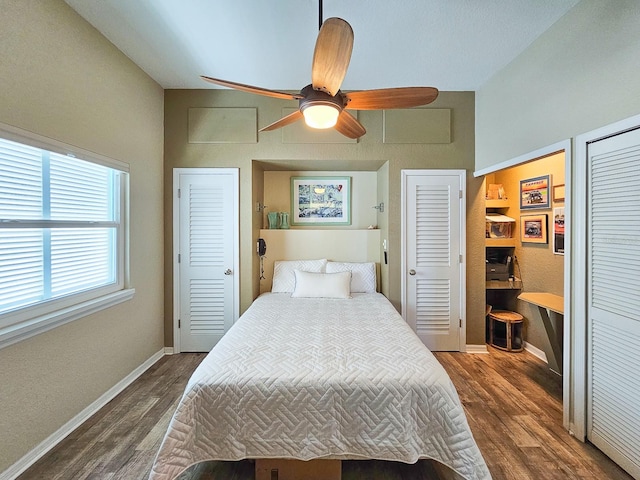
<point x="60" y="231"/>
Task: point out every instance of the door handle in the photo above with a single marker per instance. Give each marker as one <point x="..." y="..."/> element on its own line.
<point x="412" y="272"/>
<point x="228" y="271"/>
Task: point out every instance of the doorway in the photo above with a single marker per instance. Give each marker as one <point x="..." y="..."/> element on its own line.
<point x="433" y="256"/>
<point x="542" y="265"/>
<point x="607" y="377"/>
<point x="206" y="256"/>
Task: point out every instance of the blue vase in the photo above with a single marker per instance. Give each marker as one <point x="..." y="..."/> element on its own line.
<point x="284" y="220"/>
<point x="273" y="220"/>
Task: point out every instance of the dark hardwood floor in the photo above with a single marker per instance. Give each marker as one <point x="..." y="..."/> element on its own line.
<point x="514" y="407"/>
<point x="513" y="403"/>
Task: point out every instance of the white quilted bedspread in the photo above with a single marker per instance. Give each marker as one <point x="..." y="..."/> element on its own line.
<point x="307" y="378"/>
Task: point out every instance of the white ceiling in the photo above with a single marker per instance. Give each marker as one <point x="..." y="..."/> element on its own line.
<point x="453" y="45"/>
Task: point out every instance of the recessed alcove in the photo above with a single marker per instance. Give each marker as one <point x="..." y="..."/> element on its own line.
<point x="271" y="191"/>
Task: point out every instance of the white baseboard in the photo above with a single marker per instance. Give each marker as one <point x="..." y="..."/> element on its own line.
<point x="168" y="351"/>
<point x="477" y="348"/>
<point x="536" y="352"/>
<point x="56" y="437"/>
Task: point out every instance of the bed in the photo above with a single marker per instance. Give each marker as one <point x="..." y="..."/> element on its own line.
<point x="326" y="371"/>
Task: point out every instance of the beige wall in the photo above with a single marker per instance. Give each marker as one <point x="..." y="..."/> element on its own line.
<point x="63" y="80"/>
<point x="383" y="223"/>
<point x="580" y="75"/>
<point x="370" y="154"/>
<point x="257" y="185"/>
<point x="540" y="269"/>
<point x="476" y="276"/>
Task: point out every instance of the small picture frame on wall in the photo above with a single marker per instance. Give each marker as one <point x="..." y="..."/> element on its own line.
<point x="558" y="193"/>
<point x="534" y="193"/>
<point x="533" y="229"/>
<point x="320" y="200"/>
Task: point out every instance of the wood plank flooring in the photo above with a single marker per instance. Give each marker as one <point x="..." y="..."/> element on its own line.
<point x="514" y="408"/>
<point x="513" y="404"/>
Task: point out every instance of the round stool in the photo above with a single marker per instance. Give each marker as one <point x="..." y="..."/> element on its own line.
<point x="505" y="330"/>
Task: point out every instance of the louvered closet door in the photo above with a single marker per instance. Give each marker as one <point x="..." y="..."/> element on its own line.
<point x="434" y="246"/>
<point x="208" y="238"/>
<point x="613" y="416"/>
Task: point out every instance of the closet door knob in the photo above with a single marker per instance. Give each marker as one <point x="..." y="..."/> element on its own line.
<point x="412" y="272"/>
<point x="227" y="271"/>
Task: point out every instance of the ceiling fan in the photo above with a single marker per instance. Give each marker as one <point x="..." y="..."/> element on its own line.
<point x="322" y="104"/>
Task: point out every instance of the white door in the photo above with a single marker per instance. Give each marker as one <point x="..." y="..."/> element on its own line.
<point x="206" y="231"/>
<point x="613" y="298"/>
<point x="433" y="247"/>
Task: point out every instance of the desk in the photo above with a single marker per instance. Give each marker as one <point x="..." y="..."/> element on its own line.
<point x="547" y="303"/>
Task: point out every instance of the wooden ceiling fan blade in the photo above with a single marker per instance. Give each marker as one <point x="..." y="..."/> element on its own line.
<point x="284" y="121"/>
<point x="252" y="89"/>
<point x="389" y="98"/>
<point x="332" y="55"/>
<point x="349" y="126"/>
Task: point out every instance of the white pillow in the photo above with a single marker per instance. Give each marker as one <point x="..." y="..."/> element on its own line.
<point x="363" y="275"/>
<point x="284" y="280"/>
<point x="322" y="285"/>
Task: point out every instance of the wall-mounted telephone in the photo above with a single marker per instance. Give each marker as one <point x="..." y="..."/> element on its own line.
<point x="262" y="247"/>
<point x="384" y="248"/>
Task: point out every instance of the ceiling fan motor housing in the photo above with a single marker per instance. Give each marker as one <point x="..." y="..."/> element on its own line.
<point x="314" y="97"/>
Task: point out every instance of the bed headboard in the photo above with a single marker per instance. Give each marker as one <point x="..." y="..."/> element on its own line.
<point x="335" y="245"/>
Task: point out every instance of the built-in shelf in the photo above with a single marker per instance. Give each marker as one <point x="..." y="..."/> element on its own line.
<point x="500" y="242"/>
<point x="500" y="226"/>
<point x="502" y="203"/>
<point x="499" y="248"/>
<point x="515" y="284"/>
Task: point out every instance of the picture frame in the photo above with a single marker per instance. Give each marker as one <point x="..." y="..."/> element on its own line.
<point x="558" y="230"/>
<point x="534" y="192"/>
<point x="320" y="200"/>
<point x="558" y="193"/>
<point x="533" y="229"/>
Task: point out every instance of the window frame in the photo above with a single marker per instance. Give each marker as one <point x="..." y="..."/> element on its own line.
<point x="25" y="322"/>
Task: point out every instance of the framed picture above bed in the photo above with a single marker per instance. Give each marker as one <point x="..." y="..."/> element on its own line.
<point x="320" y="200"/>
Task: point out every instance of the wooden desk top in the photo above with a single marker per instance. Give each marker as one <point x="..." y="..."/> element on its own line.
<point x="552" y="302"/>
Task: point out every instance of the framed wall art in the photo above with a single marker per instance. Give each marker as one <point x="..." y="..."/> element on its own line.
<point x="558" y="230"/>
<point x="534" y="192"/>
<point x="558" y="193"/>
<point x="320" y="200"/>
<point x="533" y="229"/>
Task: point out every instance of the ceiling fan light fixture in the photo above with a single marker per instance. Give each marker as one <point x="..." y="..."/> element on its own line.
<point x="321" y="115"/>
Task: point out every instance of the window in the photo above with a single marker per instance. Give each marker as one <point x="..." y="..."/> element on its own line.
<point x="62" y="235"/>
